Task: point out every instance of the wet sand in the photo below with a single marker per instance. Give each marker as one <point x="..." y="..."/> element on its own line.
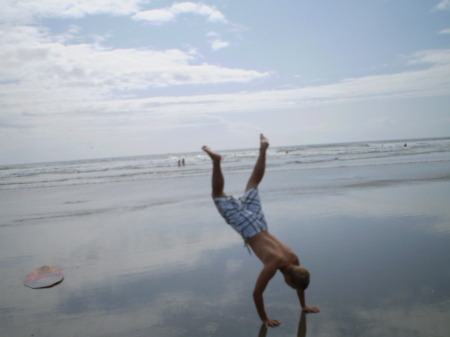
<point x="154" y="258"/>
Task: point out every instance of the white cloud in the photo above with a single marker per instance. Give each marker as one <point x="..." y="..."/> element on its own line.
<point x="31" y="50"/>
<point x="43" y="69"/>
<point x="433" y="56"/>
<point x="157" y="16"/>
<point x="443" y="5"/>
<point x="445" y="31"/>
<point x="211" y="13"/>
<point x="432" y="81"/>
<point x="26" y="11"/>
<point x="212" y="33"/>
<point x="216" y="16"/>
<point x="219" y="44"/>
<point x="167" y="14"/>
<point x="185" y="7"/>
<point x="45" y="76"/>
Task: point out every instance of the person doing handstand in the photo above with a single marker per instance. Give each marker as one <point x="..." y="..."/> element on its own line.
<point x="247" y="218"/>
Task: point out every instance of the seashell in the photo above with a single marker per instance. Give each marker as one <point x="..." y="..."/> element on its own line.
<point x="43" y="277"/>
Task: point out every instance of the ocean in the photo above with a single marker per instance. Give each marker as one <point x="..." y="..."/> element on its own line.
<point x="286" y="158"/>
<point x="144" y="252"/>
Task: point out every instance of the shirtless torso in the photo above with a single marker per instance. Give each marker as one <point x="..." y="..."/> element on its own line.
<point x="272" y="251"/>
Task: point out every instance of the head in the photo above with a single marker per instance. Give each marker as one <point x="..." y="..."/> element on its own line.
<point x="297" y="278"/>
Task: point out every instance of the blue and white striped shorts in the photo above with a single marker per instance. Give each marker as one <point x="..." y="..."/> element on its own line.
<point x="245" y="214"/>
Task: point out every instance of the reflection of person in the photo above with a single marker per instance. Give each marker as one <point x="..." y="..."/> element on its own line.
<point x="301" y="332"/>
<point x="247" y="218"/>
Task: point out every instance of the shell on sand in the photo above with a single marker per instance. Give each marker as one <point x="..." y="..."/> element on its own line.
<point x="43" y="277"/>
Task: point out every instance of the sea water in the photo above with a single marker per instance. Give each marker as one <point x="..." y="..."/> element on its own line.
<point x="287" y="158"/>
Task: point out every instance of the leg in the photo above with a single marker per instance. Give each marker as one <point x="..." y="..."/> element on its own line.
<point x="218" y="182"/>
<point x="260" y="166"/>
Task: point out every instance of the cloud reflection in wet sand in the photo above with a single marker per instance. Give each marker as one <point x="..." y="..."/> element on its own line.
<point x="372" y="275"/>
<point x="378" y="268"/>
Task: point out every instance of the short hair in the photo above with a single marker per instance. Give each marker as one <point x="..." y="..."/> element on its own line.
<point x="299" y="277"/>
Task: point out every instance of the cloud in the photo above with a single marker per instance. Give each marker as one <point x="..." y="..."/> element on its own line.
<point x="159" y="16"/>
<point x="43" y="75"/>
<point x="219" y="44"/>
<point x="211" y="13"/>
<point x="433" y="56"/>
<point x="443" y="5"/>
<point x="212" y="33"/>
<point x="434" y="80"/>
<point x="31" y="50"/>
<point x="26" y="11"/>
<point x="445" y="31"/>
<point x="40" y="67"/>
<point x="156" y="16"/>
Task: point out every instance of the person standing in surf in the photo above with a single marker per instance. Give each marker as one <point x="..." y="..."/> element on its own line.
<point x="245" y="215"/>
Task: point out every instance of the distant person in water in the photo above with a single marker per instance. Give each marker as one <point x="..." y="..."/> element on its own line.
<point x="247" y="218"/>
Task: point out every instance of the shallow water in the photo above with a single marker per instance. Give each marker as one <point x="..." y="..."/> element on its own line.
<point x="154" y="258"/>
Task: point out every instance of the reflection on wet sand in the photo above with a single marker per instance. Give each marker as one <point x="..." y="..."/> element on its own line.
<point x="378" y="258"/>
<point x="301" y="331"/>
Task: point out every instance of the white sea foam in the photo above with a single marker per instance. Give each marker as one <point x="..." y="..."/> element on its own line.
<point x="303" y="157"/>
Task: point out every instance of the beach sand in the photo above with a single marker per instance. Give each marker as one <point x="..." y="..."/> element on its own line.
<point x="154" y="258"/>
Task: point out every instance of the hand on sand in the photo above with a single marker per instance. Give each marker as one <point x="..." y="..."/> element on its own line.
<point x="311" y="309"/>
<point x="271" y="322"/>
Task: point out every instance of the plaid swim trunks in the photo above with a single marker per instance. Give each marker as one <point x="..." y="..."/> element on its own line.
<point x="244" y="215"/>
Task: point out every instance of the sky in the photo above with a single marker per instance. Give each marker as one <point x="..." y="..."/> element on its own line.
<point x="86" y="79"/>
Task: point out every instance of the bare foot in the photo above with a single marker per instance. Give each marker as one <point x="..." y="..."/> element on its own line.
<point x="264" y="142"/>
<point x="214" y="156"/>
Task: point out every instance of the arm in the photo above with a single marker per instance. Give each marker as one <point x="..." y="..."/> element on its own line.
<point x="305" y="308"/>
<point x="261" y="283"/>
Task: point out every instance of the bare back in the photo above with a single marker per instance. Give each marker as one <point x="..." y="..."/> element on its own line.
<point x="272" y="251"/>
